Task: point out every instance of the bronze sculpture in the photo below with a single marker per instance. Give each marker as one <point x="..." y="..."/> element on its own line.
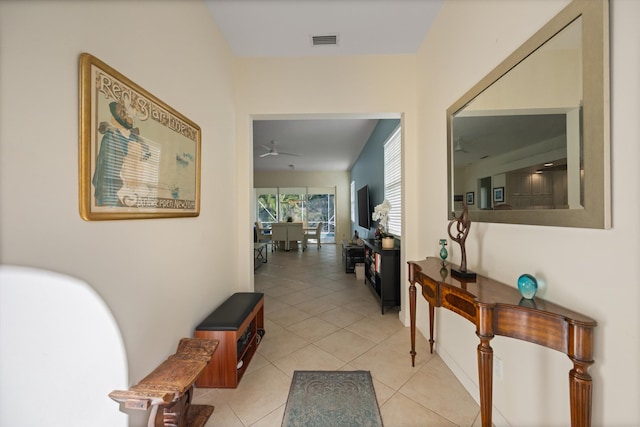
<point x="463" y="224"/>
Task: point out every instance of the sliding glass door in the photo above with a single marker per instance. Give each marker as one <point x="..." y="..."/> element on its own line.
<point x="321" y="208"/>
<point x="309" y="205"/>
<point x="292" y="204"/>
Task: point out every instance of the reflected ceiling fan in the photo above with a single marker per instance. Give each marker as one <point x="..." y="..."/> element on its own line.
<point x="272" y="151"/>
<point x="458" y="148"/>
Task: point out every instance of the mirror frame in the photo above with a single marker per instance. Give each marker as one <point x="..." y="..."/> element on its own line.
<point x="596" y="212"/>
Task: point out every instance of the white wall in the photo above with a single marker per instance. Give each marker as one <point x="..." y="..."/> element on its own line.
<point x="339" y="180"/>
<point x="160" y="278"/>
<point x="592" y="271"/>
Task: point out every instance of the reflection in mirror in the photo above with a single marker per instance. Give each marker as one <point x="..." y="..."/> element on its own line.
<point x="514" y="134"/>
<point x="518" y="140"/>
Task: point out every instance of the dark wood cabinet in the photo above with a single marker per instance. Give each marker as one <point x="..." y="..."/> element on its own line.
<point x="238" y="326"/>
<point x="382" y="272"/>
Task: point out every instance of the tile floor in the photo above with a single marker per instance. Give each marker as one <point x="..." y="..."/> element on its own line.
<point x="317" y="317"/>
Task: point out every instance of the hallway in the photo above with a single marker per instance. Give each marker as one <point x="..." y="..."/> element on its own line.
<point x="319" y="318"/>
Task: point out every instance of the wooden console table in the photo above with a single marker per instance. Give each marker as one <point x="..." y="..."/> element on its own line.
<point x="497" y="309"/>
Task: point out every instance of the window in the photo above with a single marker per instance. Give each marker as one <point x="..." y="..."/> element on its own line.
<point x="353" y="202"/>
<point x="292" y="204"/>
<point x="393" y="180"/>
<point x="267" y="206"/>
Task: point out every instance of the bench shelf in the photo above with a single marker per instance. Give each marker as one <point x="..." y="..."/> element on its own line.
<point x="238" y="325"/>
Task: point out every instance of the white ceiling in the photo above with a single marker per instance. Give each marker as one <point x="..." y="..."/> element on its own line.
<point x="255" y="28"/>
<point x="283" y="28"/>
<point x="322" y="144"/>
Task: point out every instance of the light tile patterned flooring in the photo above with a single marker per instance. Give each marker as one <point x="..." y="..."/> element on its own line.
<point x="317" y="317"/>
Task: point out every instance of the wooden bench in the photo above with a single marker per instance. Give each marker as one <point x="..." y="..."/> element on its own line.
<point x="170" y="387"/>
<point x="238" y="325"/>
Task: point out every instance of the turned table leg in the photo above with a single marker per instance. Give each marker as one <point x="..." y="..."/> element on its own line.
<point x="485" y="363"/>
<point x="580" y="390"/>
<point x="431" y="321"/>
<point x="580" y="383"/>
<point x="412" y="317"/>
<point x="485" y="377"/>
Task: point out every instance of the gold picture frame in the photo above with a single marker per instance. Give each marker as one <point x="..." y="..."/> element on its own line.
<point x="139" y="158"/>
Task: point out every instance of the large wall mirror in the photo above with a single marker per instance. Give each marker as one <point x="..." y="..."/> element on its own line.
<point x="529" y="144"/>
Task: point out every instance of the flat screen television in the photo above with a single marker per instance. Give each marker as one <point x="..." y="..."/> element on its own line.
<point x="364" y="208"/>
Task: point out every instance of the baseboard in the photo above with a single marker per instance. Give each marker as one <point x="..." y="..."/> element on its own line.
<point x="403" y="316"/>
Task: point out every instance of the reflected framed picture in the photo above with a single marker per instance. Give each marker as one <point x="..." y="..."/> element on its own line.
<point x="470" y="198"/>
<point x="139" y="158"/>
<point x="498" y="194"/>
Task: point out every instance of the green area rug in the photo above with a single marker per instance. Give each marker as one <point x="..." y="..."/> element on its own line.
<point x="331" y="399"/>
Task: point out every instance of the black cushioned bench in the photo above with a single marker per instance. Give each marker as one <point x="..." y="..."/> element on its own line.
<point x="238" y="324"/>
<point x="231" y="313"/>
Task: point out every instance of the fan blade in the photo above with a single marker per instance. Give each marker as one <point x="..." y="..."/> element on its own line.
<point x="459" y="148"/>
<point x="272" y="151"/>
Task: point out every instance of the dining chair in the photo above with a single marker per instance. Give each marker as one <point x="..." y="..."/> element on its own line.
<point x="295" y="233"/>
<point x="279" y="235"/>
<point x="313" y="234"/>
<point x="263" y="236"/>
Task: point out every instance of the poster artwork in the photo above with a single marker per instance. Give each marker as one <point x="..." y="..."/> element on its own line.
<point x="144" y="157"/>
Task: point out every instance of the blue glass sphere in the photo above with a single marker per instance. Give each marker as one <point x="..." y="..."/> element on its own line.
<point x="528" y="286"/>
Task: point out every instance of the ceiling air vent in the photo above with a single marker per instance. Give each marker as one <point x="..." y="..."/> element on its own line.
<point x="331" y="40"/>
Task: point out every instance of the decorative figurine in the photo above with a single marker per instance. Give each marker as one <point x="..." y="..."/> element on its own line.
<point x="443" y="251"/>
<point x="463" y="224"/>
<point x="528" y="286"/>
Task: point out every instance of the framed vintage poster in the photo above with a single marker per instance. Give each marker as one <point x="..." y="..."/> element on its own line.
<point x="139" y="158"/>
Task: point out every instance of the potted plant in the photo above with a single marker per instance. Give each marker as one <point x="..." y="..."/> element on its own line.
<point x="381" y="214"/>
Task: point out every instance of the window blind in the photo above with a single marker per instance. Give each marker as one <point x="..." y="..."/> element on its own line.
<point x="393" y="180"/>
<point x="353" y="201"/>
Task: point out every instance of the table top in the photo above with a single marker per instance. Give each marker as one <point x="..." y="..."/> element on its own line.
<point x="486" y="291"/>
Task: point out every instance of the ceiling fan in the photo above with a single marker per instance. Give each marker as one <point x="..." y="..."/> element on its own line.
<point x="272" y="151"/>
<point x="458" y="148"/>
